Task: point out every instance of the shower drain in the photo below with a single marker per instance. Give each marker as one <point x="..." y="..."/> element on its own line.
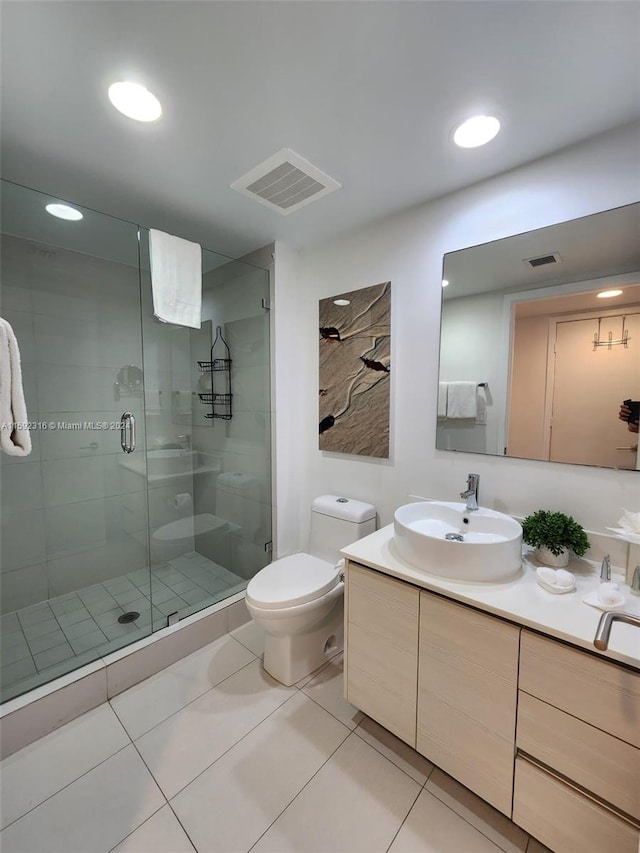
<point x="131" y="616"/>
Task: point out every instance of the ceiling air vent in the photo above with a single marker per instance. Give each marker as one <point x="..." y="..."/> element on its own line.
<point x="543" y="260"/>
<point x="285" y="182"/>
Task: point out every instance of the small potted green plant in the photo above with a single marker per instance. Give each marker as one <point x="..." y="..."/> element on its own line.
<point x="554" y="534"/>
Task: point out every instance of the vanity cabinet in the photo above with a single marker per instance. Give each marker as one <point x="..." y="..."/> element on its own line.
<point x="577" y="776"/>
<point x="381" y="649"/>
<point x="547" y="733"/>
<point x="439" y="675"/>
<point x="467" y="691"/>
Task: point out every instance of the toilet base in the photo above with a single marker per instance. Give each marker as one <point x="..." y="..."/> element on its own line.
<point x="290" y="658"/>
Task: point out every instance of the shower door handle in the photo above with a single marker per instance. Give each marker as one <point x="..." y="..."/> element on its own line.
<point x="128" y="432"/>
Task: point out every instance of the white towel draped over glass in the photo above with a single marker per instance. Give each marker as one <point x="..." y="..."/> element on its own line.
<point x="176" y="279"/>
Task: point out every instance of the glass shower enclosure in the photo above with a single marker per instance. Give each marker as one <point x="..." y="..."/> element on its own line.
<point x="134" y="508"/>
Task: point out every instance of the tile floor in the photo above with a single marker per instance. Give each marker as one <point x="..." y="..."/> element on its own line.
<point x="44" y="641"/>
<point x="213" y="755"/>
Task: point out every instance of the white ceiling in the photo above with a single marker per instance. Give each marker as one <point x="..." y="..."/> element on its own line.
<point x="367" y="91"/>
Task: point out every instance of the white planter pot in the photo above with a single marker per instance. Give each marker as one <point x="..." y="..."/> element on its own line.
<point x="556" y="561"/>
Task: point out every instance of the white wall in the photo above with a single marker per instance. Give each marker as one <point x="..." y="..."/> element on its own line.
<point x="407" y="249"/>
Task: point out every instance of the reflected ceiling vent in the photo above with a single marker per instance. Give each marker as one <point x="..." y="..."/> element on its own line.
<point x="285" y="182"/>
<point x="543" y="260"/>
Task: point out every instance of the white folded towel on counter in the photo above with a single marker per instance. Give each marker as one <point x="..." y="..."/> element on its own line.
<point x="176" y="279"/>
<point x="607" y="596"/>
<point x="13" y="410"/>
<point x="462" y="400"/>
<point x="443" y="388"/>
<point x="629" y="521"/>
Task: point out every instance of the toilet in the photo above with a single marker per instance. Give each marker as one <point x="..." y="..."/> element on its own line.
<point x="298" y="600"/>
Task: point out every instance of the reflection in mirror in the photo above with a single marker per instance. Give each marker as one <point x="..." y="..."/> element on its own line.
<point x="526" y="315"/>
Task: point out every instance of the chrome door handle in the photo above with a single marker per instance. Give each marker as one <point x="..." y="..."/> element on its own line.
<point x="128" y="425"/>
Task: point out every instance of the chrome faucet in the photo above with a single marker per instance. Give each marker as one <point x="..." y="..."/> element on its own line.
<point x="471" y="494"/>
<point x="601" y="640"/>
<point x="605" y="569"/>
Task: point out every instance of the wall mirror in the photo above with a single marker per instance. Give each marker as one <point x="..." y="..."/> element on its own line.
<point x="524" y="320"/>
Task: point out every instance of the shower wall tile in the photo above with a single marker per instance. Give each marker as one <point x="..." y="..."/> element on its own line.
<point x="68" y="481"/>
<point x="75" y="443"/>
<point x="50" y="301"/>
<point x="23" y="587"/>
<point x="23" y="539"/>
<point x="21" y="486"/>
<point x="118" y="341"/>
<point x="251" y="392"/>
<point x="74" y="527"/>
<point x="252" y="428"/>
<point x="16" y="294"/>
<point x="64" y="388"/>
<point x="66" y="341"/>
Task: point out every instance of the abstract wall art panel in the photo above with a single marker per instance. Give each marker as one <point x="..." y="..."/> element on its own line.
<point x="355" y="371"/>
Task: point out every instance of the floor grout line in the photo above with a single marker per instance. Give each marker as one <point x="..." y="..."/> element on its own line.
<point x="404" y="820"/>
<point x="253" y="728"/>
<point x="309" y="780"/>
<point x="72" y="782"/>
<point x="190" y="702"/>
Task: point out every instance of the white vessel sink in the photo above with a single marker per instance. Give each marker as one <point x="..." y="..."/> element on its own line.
<point x="490" y="550"/>
<point x="170" y="461"/>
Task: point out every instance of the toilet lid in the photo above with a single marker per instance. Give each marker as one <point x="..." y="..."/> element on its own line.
<point x="292" y="580"/>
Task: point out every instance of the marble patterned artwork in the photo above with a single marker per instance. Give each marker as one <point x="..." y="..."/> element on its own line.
<point x="355" y="371"/>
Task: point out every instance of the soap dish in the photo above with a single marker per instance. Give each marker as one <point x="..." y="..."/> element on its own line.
<point x="555" y="588"/>
<point x="545" y="576"/>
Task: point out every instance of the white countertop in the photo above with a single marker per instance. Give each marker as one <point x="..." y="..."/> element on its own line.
<point x="521" y="600"/>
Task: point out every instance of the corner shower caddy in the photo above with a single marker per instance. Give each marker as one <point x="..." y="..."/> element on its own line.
<point x="219" y="398"/>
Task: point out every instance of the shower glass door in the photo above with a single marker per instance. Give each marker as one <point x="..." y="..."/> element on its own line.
<point x="208" y="438"/>
<point x="75" y="577"/>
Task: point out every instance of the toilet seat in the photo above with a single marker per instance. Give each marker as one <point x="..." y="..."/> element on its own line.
<point x="291" y="581"/>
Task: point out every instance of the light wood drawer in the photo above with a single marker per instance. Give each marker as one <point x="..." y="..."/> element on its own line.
<point x="467" y="691"/>
<point x="564" y="819"/>
<point x="604" y="765"/>
<point x="604" y="694"/>
<point x="382" y="649"/>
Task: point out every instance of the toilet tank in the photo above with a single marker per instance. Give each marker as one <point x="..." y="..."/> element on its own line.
<point x="337" y="522"/>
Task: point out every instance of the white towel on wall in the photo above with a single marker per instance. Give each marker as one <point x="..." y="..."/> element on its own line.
<point x="443" y="388"/>
<point x="176" y="279"/>
<point x="462" y="400"/>
<point x="14" y="442"/>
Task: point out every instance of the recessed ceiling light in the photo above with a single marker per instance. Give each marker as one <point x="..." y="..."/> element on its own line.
<point x="476" y="131"/>
<point x="607" y="294"/>
<point x="342" y="302"/>
<point x="135" y="101"/>
<point x="445" y="283"/>
<point x="63" y="211"/>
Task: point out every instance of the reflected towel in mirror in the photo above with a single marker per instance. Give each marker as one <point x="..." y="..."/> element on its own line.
<point x="462" y="400"/>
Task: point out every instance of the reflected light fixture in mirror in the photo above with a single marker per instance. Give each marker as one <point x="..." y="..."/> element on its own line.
<point x="608" y="294"/>
<point x="529" y="331"/>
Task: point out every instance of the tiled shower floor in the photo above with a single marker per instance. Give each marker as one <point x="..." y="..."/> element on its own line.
<point x="43" y="639"/>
